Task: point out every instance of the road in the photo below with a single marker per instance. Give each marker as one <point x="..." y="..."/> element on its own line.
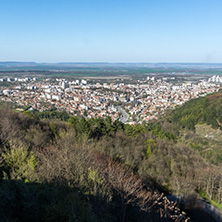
<point x="125" y="115"/>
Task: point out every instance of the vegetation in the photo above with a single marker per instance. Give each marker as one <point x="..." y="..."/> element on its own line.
<point x="212" y="202"/>
<point x="56" y="171"/>
<point x="202" y="110"/>
<point x="58" y="167"/>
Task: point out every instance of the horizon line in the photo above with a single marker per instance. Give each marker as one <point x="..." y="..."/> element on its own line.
<point x="110" y="62"/>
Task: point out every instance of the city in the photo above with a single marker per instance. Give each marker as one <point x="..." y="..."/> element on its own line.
<point x="131" y="101"/>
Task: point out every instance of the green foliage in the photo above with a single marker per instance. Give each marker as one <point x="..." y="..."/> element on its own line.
<point x="94" y="128"/>
<point x="148" y="151"/>
<point x="202" y="110"/>
<point x="149" y="145"/>
<point x="213" y="202"/>
<point x="97" y="184"/>
<point x="196" y="146"/>
<point x="81" y="126"/>
<point x="157" y="129"/>
<point x="20" y="162"/>
<point x="51" y="114"/>
<point x="118" y="125"/>
<point x="135" y="130"/>
<point x="53" y="128"/>
<point x="93" y="176"/>
<point x="31" y="115"/>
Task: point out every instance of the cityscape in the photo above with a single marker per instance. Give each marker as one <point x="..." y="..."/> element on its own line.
<point x="131" y="101"/>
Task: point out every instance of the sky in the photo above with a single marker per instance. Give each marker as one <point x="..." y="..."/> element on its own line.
<point x="111" y="31"/>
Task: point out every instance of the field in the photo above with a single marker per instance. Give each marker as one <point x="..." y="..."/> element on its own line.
<point x="134" y="70"/>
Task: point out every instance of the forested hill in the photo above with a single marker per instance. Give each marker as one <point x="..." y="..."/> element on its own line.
<point x="201" y="110"/>
<point x="56" y="167"/>
<point x="59" y="171"/>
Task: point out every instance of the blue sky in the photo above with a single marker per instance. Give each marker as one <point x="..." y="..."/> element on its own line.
<point x="111" y="31"/>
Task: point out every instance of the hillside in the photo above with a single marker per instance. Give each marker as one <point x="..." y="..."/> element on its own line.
<point x="96" y="170"/>
<point x="202" y="110"/>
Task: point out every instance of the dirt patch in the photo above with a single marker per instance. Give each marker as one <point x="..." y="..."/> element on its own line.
<point x="206" y="131"/>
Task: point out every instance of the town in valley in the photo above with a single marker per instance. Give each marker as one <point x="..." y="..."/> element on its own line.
<point x="130" y="100"/>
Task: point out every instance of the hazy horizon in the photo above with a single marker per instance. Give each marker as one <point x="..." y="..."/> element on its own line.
<point x="104" y="62"/>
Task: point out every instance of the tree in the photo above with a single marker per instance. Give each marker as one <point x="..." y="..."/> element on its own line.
<point x="21" y="163"/>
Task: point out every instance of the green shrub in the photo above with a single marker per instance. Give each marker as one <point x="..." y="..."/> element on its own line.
<point x="20" y="162"/>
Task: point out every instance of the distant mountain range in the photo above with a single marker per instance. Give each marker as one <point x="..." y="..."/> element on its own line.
<point x="12" y="64"/>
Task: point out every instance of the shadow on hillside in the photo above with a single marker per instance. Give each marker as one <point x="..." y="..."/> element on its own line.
<point x="21" y="202"/>
<point x="194" y="208"/>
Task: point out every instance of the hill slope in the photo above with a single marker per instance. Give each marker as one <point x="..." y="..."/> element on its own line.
<point x="202" y="110"/>
<point x="112" y="171"/>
